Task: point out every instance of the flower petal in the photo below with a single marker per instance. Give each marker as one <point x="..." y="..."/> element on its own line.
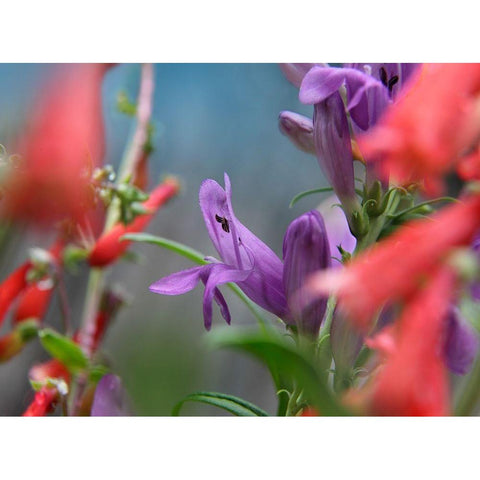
<point x="180" y="282"/>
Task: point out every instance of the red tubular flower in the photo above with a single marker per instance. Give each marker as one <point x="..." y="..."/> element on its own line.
<point x="35" y="298"/>
<point x="50" y="369"/>
<point x="62" y="144"/>
<point x="413" y="380"/>
<point x="395" y="267"/>
<point x="109" y="247"/>
<point x="11" y="287"/>
<point x="43" y="402"/>
<point x="424" y="133"/>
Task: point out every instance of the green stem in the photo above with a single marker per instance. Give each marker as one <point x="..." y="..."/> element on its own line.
<point x="471" y="392"/>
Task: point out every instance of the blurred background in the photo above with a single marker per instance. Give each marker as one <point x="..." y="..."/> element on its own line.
<point x="209" y="119"/>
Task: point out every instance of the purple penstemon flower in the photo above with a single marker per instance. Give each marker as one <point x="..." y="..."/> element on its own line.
<point x="110" y="399"/>
<point x="252" y="265"/>
<point x="461" y="343"/>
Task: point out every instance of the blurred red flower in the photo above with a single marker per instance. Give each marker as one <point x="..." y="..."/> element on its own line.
<point x="60" y="146"/>
<point x="432" y="125"/>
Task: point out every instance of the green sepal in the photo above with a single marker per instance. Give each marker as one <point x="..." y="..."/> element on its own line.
<point x="235" y="405"/>
<point x="63" y="349"/>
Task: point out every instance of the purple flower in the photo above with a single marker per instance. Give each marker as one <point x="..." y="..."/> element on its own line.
<point x="461" y="343"/>
<point x="366" y="96"/>
<point x="110" y="399"/>
<point x="305" y="250"/>
<point x="252" y="265"/>
<point x="298" y="129"/>
<point x="244" y="260"/>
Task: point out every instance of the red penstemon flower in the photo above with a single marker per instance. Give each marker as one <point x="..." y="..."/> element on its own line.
<point x="43" y="402"/>
<point x="425" y="133"/>
<point x="35" y="298"/>
<point x="11" y="288"/>
<point x="395" y="267"/>
<point x="109" y="247"/>
<point x="61" y="145"/>
<point x="413" y="380"/>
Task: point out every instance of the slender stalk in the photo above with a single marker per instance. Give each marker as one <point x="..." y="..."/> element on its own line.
<point x="128" y="165"/>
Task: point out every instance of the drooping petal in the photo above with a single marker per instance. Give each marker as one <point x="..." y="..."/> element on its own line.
<point x="305" y="250"/>
<point x="461" y="343"/>
<point x="219" y="274"/>
<point x="299" y="129"/>
<point x="110" y="398"/>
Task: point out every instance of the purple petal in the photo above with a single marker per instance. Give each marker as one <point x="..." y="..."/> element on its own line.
<point x="110" y="399"/>
<point x="298" y="129"/>
<point x="337" y="227"/>
<point x="294" y="72"/>
<point x="305" y="250"/>
<point x="461" y="343"/>
<point x="319" y="83"/>
<point x="180" y="282"/>
<point x="219" y="274"/>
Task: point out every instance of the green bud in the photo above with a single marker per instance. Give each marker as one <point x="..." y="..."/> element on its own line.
<point x="359" y="224"/>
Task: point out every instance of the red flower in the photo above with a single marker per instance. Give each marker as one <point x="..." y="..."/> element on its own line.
<point x="43" y="402"/>
<point x="424" y="133"/>
<point x="35" y="299"/>
<point x="62" y="143"/>
<point x="394" y="268"/>
<point x="413" y="380"/>
<point x="49" y="369"/>
<point x="109" y="247"/>
<point x="11" y="287"/>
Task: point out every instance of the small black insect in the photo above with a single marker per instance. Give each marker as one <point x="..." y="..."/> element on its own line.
<point x="224" y="222"/>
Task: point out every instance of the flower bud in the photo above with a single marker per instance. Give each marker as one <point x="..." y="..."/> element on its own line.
<point x="461" y="343"/>
<point x="298" y="129"/>
<point x="305" y="250"/>
<point x="333" y="146"/>
<point x="109" y="247"/>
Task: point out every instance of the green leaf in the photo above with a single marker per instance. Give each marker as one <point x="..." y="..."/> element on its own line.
<point x="299" y="196"/>
<point x="176" y="247"/>
<point x="64" y="349"/>
<point x="236" y="406"/>
<point x="297" y="364"/>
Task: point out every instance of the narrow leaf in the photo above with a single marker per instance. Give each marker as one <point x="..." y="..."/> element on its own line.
<point x="236" y="406"/>
<point x="299" y="196"/>
<point x="176" y="247"/>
